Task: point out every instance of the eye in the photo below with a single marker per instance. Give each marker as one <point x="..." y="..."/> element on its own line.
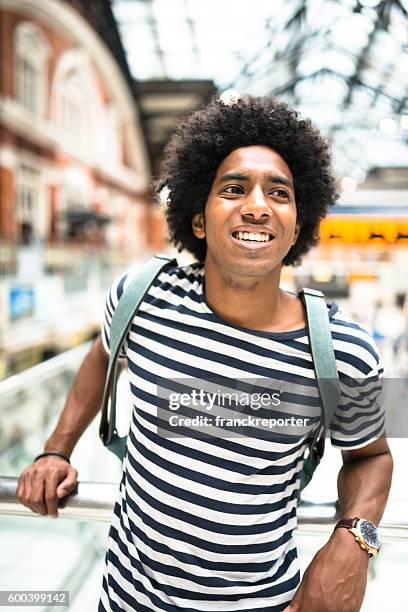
<point x="233" y="189"/>
<point x="280" y="193"/>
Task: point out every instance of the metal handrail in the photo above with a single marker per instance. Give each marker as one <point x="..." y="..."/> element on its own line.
<point x="94" y="501"/>
<point x="44" y="370"/>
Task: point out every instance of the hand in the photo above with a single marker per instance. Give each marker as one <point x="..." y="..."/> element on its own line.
<point x="44" y="482"/>
<point x="335" y="580"/>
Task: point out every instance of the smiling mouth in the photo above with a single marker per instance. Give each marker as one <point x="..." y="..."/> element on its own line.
<point x="253" y="236"/>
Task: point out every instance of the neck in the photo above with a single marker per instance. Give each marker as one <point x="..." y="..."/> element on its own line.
<point x="251" y="302"/>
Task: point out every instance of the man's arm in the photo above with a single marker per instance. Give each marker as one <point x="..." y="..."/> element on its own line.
<point x="83" y="401"/>
<point x="336" y="578"/>
<point x="364" y="481"/>
<point x="46" y="480"/>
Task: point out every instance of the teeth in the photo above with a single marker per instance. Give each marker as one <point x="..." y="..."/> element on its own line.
<point x="259" y="237"/>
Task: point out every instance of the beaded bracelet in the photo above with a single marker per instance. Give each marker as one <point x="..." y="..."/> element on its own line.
<point x="52" y="452"/>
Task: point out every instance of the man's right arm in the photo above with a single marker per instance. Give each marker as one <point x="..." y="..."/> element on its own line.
<point x="50" y="478"/>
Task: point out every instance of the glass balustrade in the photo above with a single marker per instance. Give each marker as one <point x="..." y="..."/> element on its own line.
<point x="39" y="552"/>
<point x="42" y="553"/>
<point x="29" y="407"/>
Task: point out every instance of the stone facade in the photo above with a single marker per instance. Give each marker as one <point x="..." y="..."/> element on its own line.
<point x="73" y="159"/>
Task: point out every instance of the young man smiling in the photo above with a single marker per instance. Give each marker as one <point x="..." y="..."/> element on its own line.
<point x="249" y="226"/>
<point x="206" y="524"/>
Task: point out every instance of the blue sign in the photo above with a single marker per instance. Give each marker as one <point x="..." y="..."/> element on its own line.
<point x="21" y="301"/>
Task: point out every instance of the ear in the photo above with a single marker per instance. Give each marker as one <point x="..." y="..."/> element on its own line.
<point x="297" y="232"/>
<point x="198" y="225"/>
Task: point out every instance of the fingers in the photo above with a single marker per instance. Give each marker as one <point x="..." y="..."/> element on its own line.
<point x="36" y="495"/>
<point x="44" y="482"/>
<point x="68" y="484"/>
<point x="51" y="499"/>
<point x="20" y="487"/>
<point x="30" y="491"/>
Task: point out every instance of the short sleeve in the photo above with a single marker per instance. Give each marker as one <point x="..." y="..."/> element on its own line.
<point x="359" y="418"/>
<point x="112" y="299"/>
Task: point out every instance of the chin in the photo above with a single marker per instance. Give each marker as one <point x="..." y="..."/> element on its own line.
<point x="245" y="264"/>
<point x="254" y="267"/>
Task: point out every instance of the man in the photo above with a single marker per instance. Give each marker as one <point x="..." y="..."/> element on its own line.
<point x="206" y="523"/>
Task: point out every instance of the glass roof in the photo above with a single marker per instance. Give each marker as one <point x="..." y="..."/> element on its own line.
<point x="343" y="63"/>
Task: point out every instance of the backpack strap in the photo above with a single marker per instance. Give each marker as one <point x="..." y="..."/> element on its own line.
<point x="319" y="338"/>
<point x="324" y="361"/>
<point x="125" y="311"/>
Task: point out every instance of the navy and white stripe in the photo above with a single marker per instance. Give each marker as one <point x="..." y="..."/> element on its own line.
<point x="206" y="524"/>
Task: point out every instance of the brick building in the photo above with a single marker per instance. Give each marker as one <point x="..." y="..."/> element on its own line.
<point x="73" y="160"/>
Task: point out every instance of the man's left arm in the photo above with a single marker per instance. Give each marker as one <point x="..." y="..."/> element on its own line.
<point x="335" y="580"/>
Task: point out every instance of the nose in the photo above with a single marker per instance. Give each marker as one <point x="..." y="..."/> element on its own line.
<point x="255" y="209"/>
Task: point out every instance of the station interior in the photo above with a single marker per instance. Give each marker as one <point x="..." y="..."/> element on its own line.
<point x="89" y="95"/>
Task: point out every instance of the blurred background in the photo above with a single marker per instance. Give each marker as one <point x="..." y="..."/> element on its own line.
<point x="89" y="94"/>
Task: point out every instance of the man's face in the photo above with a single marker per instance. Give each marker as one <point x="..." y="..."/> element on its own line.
<point x="250" y="215"/>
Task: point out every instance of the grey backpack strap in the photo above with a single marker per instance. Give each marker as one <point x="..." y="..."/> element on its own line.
<point x="121" y="321"/>
<point x="324" y="361"/>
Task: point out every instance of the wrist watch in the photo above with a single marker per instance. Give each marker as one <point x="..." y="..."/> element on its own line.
<point x="365" y="532"/>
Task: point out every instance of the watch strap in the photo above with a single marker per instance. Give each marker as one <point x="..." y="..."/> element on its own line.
<point x="348" y="522"/>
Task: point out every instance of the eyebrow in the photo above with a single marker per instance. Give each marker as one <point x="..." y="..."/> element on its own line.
<point x="238" y="176"/>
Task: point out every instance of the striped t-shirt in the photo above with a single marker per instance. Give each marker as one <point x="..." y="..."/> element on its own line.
<point x="205" y="523"/>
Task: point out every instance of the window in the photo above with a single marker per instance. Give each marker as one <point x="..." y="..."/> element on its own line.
<point x="31" y="52"/>
<point x="76" y="105"/>
<point x="27" y="198"/>
<point x="28" y="84"/>
<point x="72" y="107"/>
<point x="72" y="116"/>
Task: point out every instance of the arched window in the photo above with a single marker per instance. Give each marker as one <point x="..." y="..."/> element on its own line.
<point x="73" y="107"/>
<point x="90" y="123"/>
<point x="31" y="53"/>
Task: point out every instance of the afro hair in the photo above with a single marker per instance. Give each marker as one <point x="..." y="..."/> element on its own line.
<point x="203" y="139"/>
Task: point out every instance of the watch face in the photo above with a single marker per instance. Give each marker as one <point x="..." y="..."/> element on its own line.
<point x="370" y="534"/>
